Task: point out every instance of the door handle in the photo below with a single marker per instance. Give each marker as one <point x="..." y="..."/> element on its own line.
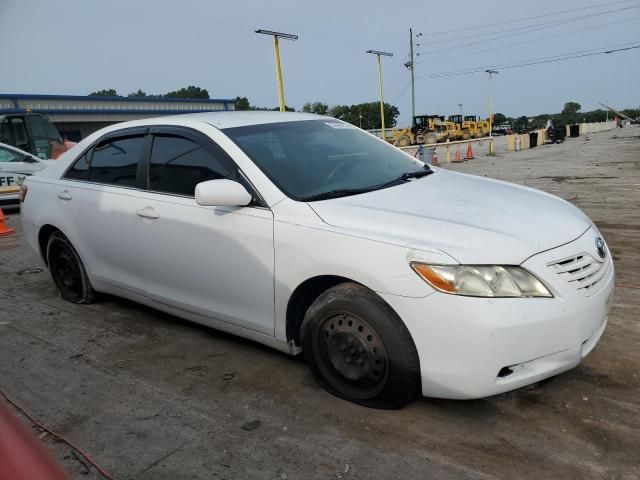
<point x="147" y="212"/>
<point x="64" y="195"/>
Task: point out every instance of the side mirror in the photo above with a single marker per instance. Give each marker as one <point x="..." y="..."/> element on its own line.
<point x="29" y="159"/>
<point x="222" y="193"/>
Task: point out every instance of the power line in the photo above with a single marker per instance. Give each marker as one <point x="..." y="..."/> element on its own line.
<point x="395" y="80"/>
<point x="476" y="27"/>
<point x="528" y="41"/>
<point x="401" y="93"/>
<point x="521" y="31"/>
<point x="556" y="58"/>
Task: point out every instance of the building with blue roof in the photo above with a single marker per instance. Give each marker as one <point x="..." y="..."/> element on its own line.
<point x="77" y="116"/>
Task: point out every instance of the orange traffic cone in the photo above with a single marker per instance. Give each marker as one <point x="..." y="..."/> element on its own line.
<point x="434" y="159"/>
<point x="469" y="153"/>
<point x="4" y="230"/>
<point x="457" y="157"/>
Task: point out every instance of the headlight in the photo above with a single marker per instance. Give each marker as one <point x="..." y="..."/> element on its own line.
<point x="482" y="280"/>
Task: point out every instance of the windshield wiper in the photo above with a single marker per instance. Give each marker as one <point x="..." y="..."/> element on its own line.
<point x="342" y="192"/>
<point x="345" y="192"/>
<point x="406" y="176"/>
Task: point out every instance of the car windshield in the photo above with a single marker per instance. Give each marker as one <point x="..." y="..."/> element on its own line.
<point x="318" y="159"/>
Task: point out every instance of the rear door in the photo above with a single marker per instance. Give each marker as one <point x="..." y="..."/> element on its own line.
<point x="98" y="197"/>
<point x="214" y="261"/>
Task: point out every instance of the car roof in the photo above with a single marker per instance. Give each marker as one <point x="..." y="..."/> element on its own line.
<point x="236" y="118"/>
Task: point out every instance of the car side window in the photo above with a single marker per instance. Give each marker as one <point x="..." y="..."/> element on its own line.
<point x="7" y="155"/>
<point x="80" y="169"/>
<point x="178" y="164"/>
<point x="115" y="161"/>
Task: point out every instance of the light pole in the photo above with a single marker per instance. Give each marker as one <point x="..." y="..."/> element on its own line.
<point x="491" y="72"/>
<point x="460" y="107"/>
<point x="276" y="47"/>
<point x="377" y="54"/>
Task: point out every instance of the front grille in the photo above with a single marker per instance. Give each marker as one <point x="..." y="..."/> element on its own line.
<point x="582" y="272"/>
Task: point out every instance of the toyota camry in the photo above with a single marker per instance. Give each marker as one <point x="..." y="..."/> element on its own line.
<point x="307" y="234"/>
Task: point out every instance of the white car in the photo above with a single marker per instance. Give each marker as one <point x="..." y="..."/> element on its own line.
<point x="307" y="234"/>
<point x="15" y="165"/>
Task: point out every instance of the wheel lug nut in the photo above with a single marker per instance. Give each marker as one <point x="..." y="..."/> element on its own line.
<point x="343" y="347"/>
<point x="359" y="362"/>
<point x="360" y="350"/>
<point x="348" y="360"/>
<point x="350" y="341"/>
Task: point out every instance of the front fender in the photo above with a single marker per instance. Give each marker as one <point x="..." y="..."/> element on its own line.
<point x="304" y="252"/>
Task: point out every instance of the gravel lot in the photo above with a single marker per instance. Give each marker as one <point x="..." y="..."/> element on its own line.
<point x="150" y="396"/>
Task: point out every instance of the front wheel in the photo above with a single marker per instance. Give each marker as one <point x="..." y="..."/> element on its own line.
<point x="403" y="141"/>
<point x="67" y="270"/>
<point x="359" y="349"/>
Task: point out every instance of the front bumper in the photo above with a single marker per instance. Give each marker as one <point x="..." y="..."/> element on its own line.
<point x="476" y="347"/>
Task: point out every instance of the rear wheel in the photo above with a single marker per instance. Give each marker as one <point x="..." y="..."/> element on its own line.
<point x="358" y="349"/>
<point x="67" y="270"/>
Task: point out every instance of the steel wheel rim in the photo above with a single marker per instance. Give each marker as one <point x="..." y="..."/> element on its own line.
<point x="66" y="270"/>
<point x="352" y="357"/>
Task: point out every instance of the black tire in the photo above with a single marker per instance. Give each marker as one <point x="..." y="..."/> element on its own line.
<point x="67" y="270"/>
<point x="358" y="349"/>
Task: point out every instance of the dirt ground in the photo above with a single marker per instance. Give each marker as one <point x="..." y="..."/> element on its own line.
<point x="150" y="396"/>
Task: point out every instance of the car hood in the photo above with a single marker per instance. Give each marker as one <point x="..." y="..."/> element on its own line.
<point x="473" y="219"/>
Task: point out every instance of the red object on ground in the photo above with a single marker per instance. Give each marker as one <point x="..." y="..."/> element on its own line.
<point x="4" y="230"/>
<point x="22" y="456"/>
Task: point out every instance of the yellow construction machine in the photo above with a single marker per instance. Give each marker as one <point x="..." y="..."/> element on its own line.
<point x="473" y="124"/>
<point x="427" y="129"/>
<point x="462" y="128"/>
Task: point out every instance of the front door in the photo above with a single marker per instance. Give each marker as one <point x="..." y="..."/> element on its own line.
<point x="213" y="261"/>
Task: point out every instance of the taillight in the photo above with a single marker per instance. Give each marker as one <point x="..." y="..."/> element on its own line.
<point x="23" y="193"/>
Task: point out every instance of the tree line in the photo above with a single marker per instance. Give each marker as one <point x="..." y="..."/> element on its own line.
<point x="363" y="115"/>
<point x="367" y="115"/>
<point x="186" y="92"/>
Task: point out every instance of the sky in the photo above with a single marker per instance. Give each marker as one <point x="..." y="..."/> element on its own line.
<point x="75" y="47"/>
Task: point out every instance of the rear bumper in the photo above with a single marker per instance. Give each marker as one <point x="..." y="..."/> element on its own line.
<point x="477" y="347"/>
<point x="10" y="199"/>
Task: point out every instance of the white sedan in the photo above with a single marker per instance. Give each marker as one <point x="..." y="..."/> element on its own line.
<point x="307" y="234"/>
<point x="15" y="165"/>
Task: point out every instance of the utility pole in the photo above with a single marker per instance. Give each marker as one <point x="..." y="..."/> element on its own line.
<point x="276" y="47"/>
<point x="491" y="72"/>
<point x="413" y="78"/>
<point x="378" y="53"/>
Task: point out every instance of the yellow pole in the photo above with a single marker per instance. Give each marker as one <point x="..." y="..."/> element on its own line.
<point x="384" y="136"/>
<point x="490" y="115"/>
<point x="279" y="74"/>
